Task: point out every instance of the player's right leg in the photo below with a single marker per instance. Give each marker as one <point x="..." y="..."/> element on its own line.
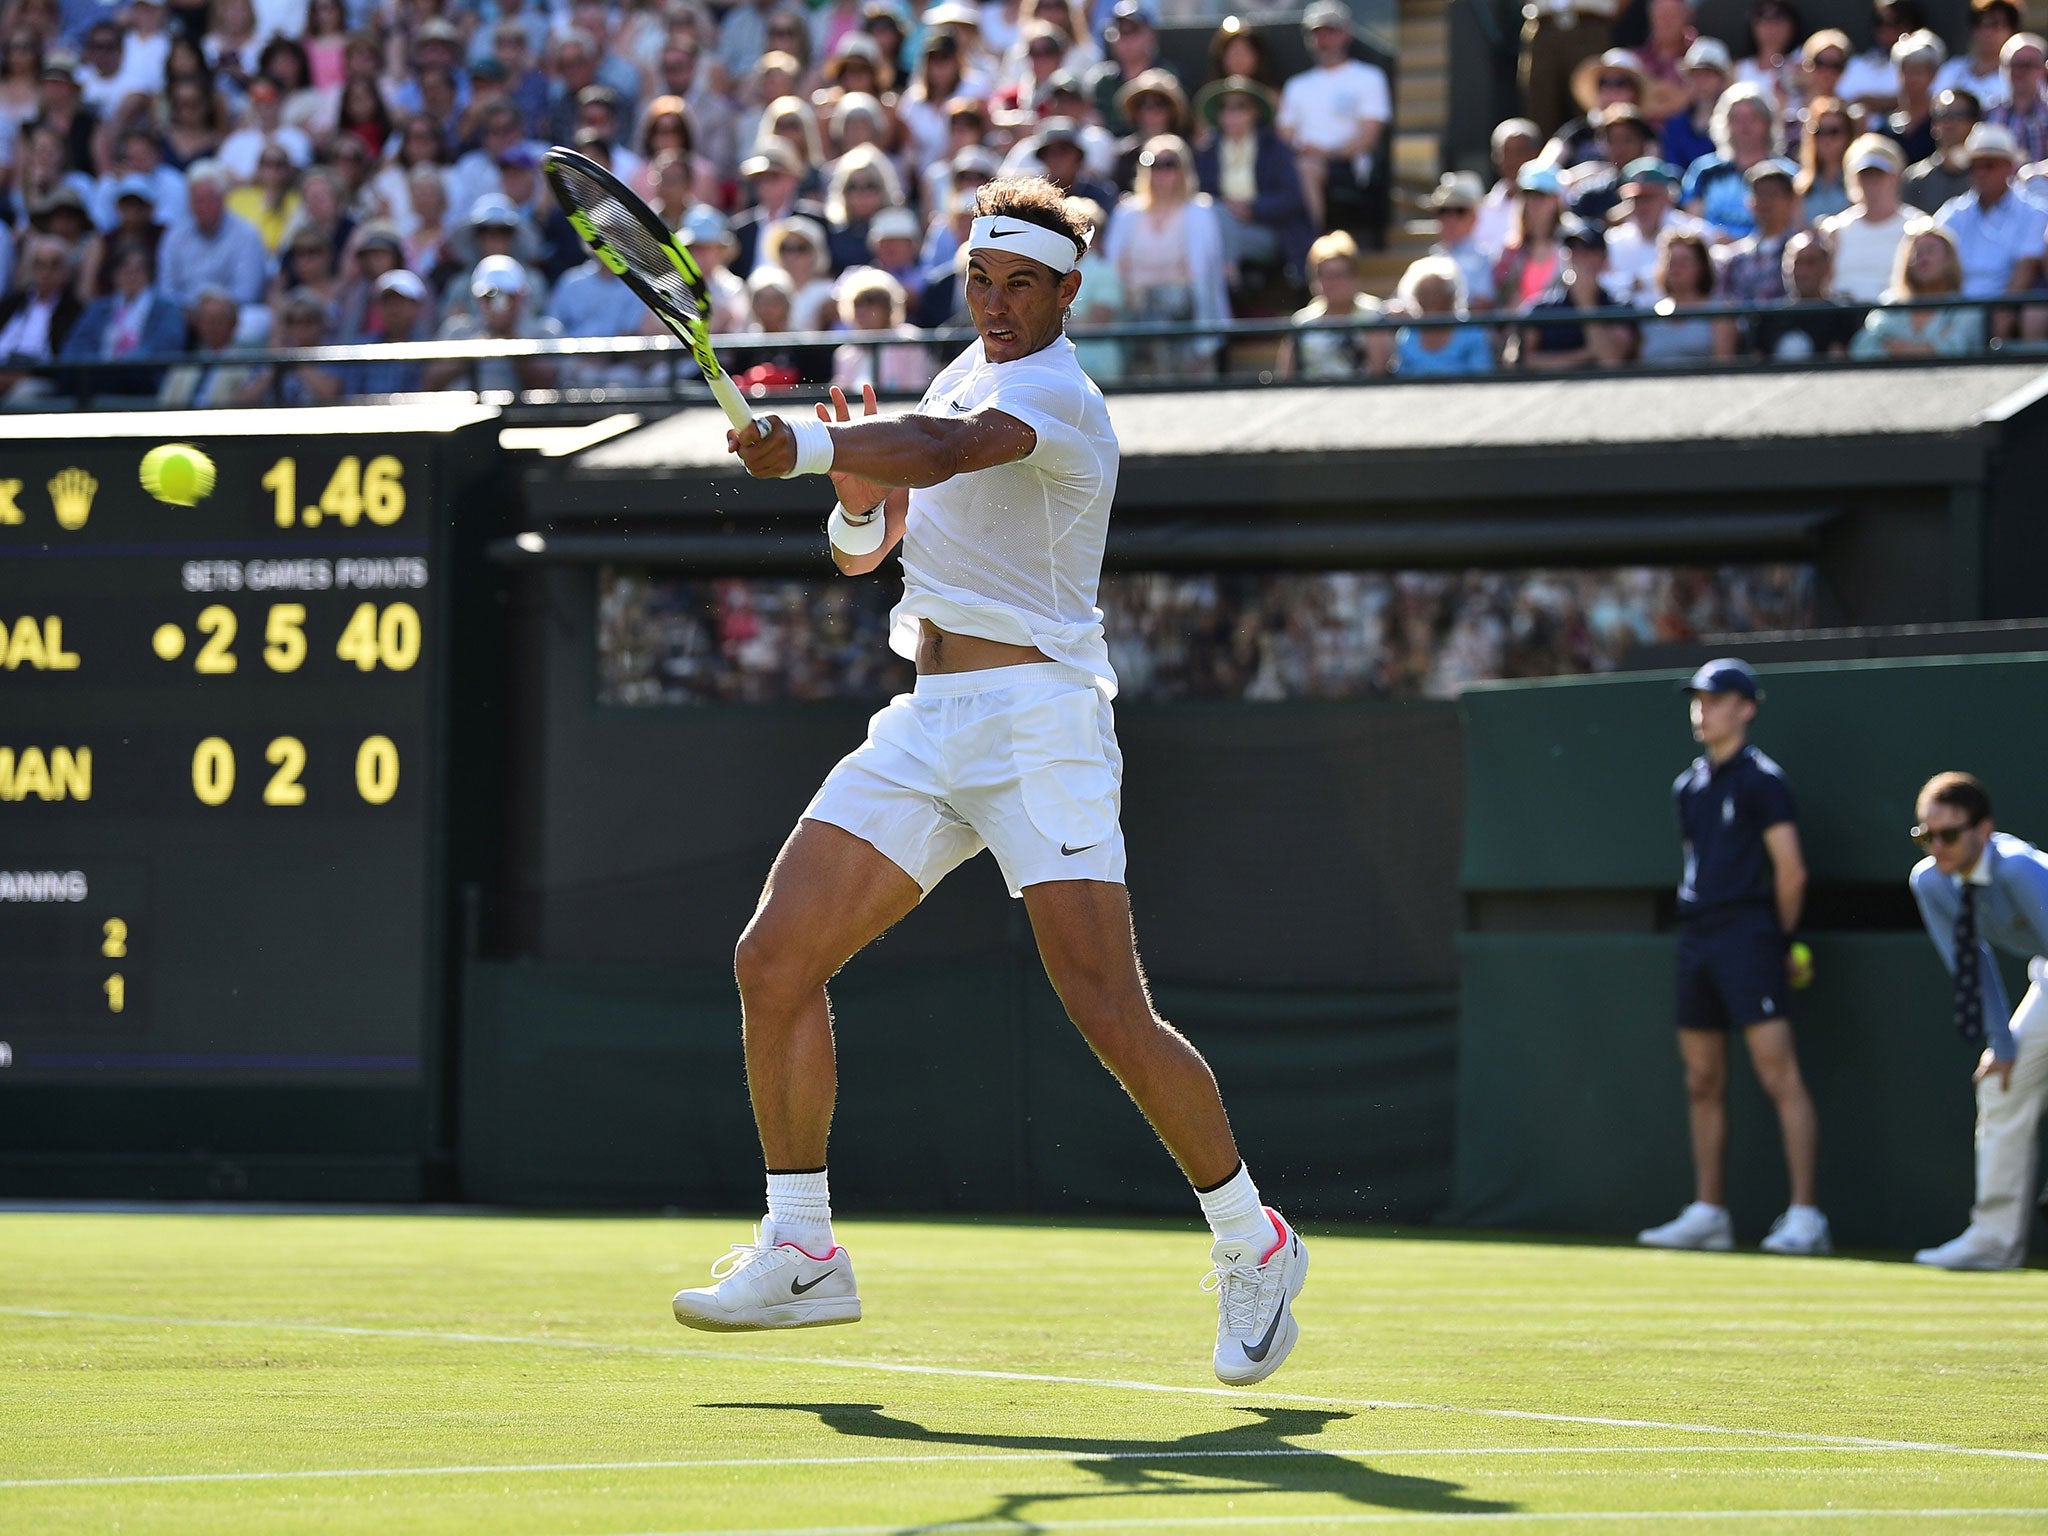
<point x="828" y="896"/>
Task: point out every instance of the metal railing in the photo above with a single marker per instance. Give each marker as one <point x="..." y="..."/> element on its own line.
<point x="1242" y="355"/>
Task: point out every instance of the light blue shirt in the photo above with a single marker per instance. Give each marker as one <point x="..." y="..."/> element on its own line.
<point x="2012" y="913"/>
<point x="589" y="301"/>
<point x="232" y="257"/>
<point x="1992" y="244"/>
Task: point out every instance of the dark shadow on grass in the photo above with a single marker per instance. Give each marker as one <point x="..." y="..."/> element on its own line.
<point x="1233" y="1461"/>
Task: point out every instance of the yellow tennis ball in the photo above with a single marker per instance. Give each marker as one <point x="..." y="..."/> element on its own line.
<point x="1802" y="958"/>
<point x="177" y="473"/>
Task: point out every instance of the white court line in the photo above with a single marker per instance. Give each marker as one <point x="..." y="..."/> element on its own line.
<point x="1401" y="1517"/>
<point x="1234" y="1394"/>
<point x="1339" y="1453"/>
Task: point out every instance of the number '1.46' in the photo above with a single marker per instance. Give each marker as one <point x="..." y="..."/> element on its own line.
<point x="354" y="491"/>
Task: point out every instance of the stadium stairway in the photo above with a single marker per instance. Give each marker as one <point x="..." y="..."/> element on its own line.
<point x="1421" y="109"/>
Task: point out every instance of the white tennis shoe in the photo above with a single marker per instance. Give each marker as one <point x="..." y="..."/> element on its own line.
<point x="1697" y="1226"/>
<point x="1975" y="1249"/>
<point x="772" y="1285"/>
<point x="1801" y="1230"/>
<point x="1255" y="1291"/>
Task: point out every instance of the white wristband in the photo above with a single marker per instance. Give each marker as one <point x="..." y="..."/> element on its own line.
<point x="813" y="446"/>
<point x="861" y="537"/>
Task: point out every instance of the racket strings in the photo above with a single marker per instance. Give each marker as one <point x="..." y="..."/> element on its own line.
<point x="644" y="253"/>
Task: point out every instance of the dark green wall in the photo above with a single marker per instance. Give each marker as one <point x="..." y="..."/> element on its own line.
<point x="1571" y="1111"/>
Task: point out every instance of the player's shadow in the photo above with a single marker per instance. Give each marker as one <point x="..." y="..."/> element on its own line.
<point x="1235" y="1460"/>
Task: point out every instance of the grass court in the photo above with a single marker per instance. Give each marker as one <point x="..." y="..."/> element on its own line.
<point x="188" y="1373"/>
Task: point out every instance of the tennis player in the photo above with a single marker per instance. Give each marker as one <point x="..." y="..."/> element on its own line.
<point x="998" y="489"/>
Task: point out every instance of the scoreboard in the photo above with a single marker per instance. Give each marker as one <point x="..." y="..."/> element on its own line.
<point x="222" y="746"/>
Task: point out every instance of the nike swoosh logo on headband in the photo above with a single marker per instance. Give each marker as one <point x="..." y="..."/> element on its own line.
<point x="1003" y="234"/>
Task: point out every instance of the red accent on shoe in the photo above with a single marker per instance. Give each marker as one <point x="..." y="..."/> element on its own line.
<point x="815" y="1258"/>
<point x="1278" y="1226"/>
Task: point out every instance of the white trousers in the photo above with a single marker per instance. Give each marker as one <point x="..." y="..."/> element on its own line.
<point x="2007" y="1122"/>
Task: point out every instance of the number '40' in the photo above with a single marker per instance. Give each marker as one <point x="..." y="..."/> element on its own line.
<point x="392" y="637"/>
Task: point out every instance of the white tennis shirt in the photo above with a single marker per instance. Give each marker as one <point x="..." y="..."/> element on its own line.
<point x="1014" y="553"/>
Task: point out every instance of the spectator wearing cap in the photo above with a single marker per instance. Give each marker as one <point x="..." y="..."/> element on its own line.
<point x="61" y="108"/>
<point x="216" y="248"/>
<point x="709" y="238"/>
<point x="1825" y="332"/>
<point x="1158" y="105"/>
<point x="1823" y="58"/>
<point x="2024" y="112"/>
<point x="1557" y="37"/>
<point x="1099" y="147"/>
<point x="855" y="120"/>
<point x="374" y="250"/>
<point x="1998" y="234"/>
<point x="1746" y="132"/>
<point x="1685" y="282"/>
<point x="1513" y="144"/>
<point x="772" y="173"/>
<point x="134" y="223"/>
<point x="1915" y="59"/>
<point x="500" y="294"/>
<point x="871" y="302"/>
<point x="1668" y="38"/>
<point x="1168" y="248"/>
<point x="895" y="237"/>
<point x="971" y="170"/>
<point x="1612" y="79"/>
<point x="1980" y="70"/>
<point x="208" y="377"/>
<point x="1929" y="268"/>
<point x="271" y="201"/>
<point x="855" y="67"/>
<point x="1454" y="202"/>
<point x="38" y="317"/>
<point x="135" y="320"/>
<point x="1057" y="153"/>
<point x="1319" y="347"/>
<point x="1253" y="178"/>
<point x="1334" y="113"/>
<point x="1532" y="257"/>
<point x="1865" y="240"/>
<point x="1823" y="157"/>
<point x="1561" y="343"/>
<point x="495" y="227"/>
<point x="1688" y="134"/>
<point x="1872" y="79"/>
<point x="1433" y="288"/>
<point x="400" y="311"/>
<point x="1945" y="174"/>
<point x="1593" y="186"/>
<point x="304" y="320"/>
<point x="1753" y="267"/>
<point x="1635" y="242"/>
<point x="1133" y="49"/>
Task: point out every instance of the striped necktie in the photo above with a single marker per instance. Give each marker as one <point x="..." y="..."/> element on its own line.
<point x="1969" y="984"/>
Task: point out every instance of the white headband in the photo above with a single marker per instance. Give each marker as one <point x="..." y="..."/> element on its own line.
<point x="1014" y="237"/>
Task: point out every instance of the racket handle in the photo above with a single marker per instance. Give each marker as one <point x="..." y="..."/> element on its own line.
<point x="728" y="395"/>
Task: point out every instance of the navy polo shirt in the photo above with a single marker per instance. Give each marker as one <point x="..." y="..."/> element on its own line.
<point x="1722" y="815"/>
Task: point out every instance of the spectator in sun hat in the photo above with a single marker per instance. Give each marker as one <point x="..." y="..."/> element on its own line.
<point x="1688" y="133"/>
<point x="1865" y="240"/>
<point x="1155" y="102"/>
<point x="1998" y="234"/>
<point x="1247" y="168"/>
<point x="772" y="172"/>
<point x="1593" y="186"/>
<point x="1634" y="243"/>
<point x="2024" y="112"/>
<point x="1335" y="112"/>
<point x="1606" y="80"/>
<point x="1747" y="131"/>
<point x="1752" y="269"/>
<point x="1945" y="174"/>
<point x="1915" y="59"/>
<point x="1514" y="142"/>
<point x="1455" y="204"/>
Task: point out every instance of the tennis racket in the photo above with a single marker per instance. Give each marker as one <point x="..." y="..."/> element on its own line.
<point x="623" y="233"/>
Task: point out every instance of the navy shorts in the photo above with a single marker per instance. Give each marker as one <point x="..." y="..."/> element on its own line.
<point x="1731" y="973"/>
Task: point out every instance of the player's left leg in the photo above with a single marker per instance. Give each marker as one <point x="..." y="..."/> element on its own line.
<point x="1802" y="1229"/>
<point x="1083" y="928"/>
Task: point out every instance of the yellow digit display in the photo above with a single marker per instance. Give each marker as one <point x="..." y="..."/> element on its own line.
<point x="213" y="771"/>
<point x="377" y="770"/>
<point x="288" y="755"/>
<point x="285" y="635"/>
<point x="217" y="622"/>
<point x="115" y="943"/>
<point x="282" y="481"/>
<point x="117" y="992"/>
<point x="383" y="490"/>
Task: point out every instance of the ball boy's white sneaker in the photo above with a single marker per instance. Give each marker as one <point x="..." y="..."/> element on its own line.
<point x="1975" y="1249"/>
<point x="1697" y="1226"/>
<point x="1801" y="1230"/>
<point x="1255" y="1291"/>
<point x="766" y="1284"/>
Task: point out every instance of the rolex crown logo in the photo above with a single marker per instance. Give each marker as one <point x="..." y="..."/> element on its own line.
<point x="71" y="493"/>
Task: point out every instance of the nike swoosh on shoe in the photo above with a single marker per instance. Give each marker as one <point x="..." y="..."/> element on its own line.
<point x="1256" y="1353"/>
<point x="797" y="1288"/>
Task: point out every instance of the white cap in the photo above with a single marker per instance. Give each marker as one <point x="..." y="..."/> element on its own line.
<point x="407" y="284"/>
<point x="1988" y="141"/>
<point x="895" y="224"/>
<point x="497" y="274"/>
<point x="1708" y="53"/>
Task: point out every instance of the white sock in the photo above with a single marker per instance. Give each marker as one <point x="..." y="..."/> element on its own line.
<point x="1802" y="1210"/>
<point x="799" y="1211"/>
<point x="1234" y="1212"/>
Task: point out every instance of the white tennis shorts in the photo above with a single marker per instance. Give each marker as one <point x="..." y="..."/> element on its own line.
<point x="1021" y="760"/>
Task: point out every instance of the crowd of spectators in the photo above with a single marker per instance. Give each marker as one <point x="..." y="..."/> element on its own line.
<point x="1263" y="636"/>
<point x="350" y="171"/>
<point x="362" y="170"/>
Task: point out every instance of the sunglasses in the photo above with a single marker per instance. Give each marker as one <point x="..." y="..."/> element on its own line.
<point x="1945" y="837"/>
<point x="863" y="186"/>
<point x="1829" y="61"/>
<point x="1617" y="82"/>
